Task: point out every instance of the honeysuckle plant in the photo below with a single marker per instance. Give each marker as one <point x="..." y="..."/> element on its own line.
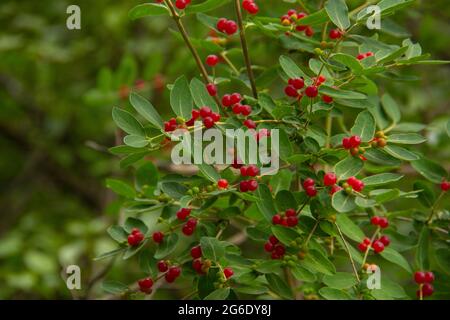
<point x="321" y="227"/>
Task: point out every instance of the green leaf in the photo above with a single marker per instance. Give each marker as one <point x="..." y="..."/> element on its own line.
<point x="341" y="94"/>
<point x="265" y="203"/>
<point x="364" y="126"/>
<point x="315" y="18"/>
<point x="303" y="274"/>
<point x="167" y="246"/>
<point x="278" y="286"/>
<point x="285" y="200"/>
<point x="384" y="195"/>
<point x="393" y="55"/>
<point x="132" y="223"/>
<point x="114" y="287"/>
<point x="349" y="61"/>
<point x="406" y="138"/>
<point x="423" y="249"/>
<point x="380" y="179"/>
<point x="209" y="172"/>
<point x="316" y="261"/>
<point x="409" y="127"/>
<point x="427" y="196"/>
<point x="212" y="248"/>
<point x="110" y="254"/>
<point x="348" y="167"/>
<point x="146" y="175"/>
<point x="121" y="188"/>
<point x="127" y="122"/>
<point x="291" y="68"/>
<point x="219" y="294"/>
<point x="285" y="235"/>
<point x="174" y="189"/>
<point x="117" y="233"/>
<point x="285" y="145"/>
<point x="430" y="170"/>
<point x="447" y="127"/>
<point x="131" y="251"/>
<point x="391" y="107"/>
<point x="349" y="228"/>
<point x="379" y="156"/>
<point x="338" y="12"/>
<point x="147" y="9"/>
<point x="147" y="263"/>
<point x="400" y="153"/>
<point x="396" y="258"/>
<point x="201" y="95"/>
<point x="340" y="280"/>
<point x="135" y="141"/>
<point x="205" y="6"/>
<point x="146" y="109"/>
<point x="334" y="294"/>
<point x="389" y="290"/>
<point x="266" y="102"/>
<point x="281" y="181"/>
<point x="181" y="98"/>
<point x="343" y="202"/>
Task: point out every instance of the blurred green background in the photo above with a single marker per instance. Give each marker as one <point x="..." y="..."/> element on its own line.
<point x="57" y="89"/>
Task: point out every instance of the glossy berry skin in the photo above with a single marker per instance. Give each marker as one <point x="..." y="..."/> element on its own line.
<point x="362" y="247"/>
<point x="252" y="170"/>
<point x="250" y="124"/>
<point x="335" y="34"/>
<point x="375" y="220"/>
<point x="133" y="240"/>
<point x="290" y="91"/>
<point x="226" y="100"/>
<point x="212" y="89"/>
<point x="174" y="272"/>
<point x="355" y="141"/>
<point x="243" y="186"/>
<point x="191" y="223"/>
<point x="208" y="122"/>
<point x="215" y="116"/>
<point x="384" y="223"/>
<point x="145" y="285"/>
<point x="237" y="108"/>
<point x="309" y="32"/>
<point x="419" y="277"/>
<point x="276" y="219"/>
<point x="181" y="4"/>
<point x="335" y="188"/>
<point x="268" y="247"/>
<point x="366" y="241"/>
<point x="273" y="240"/>
<point x="222" y="183"/>
<point x="221" y="24"/>
<point x="445" y="186"/>
<point x="385" y="240"/>
<point x="230" y="27"/>
<point x="311" y="91"/>
<point x="292" y="221"/>
<point x="290" y="213"/>
<point x="195" y="114"/>
<point x="427" y="290"/>
<point x="212" y="60"/>
<point x="196" y="252"/>
<point x="346" y="143"/>
<point x="378" y="246"/>
<point x="228" y="272"/>
<point x="311" y="191"/>
<point x="187" y="231"/>
<point x="235" y="98"/>
<point x="162" y="266"/>
<point x="252" y="185"/>
<point x="297" y="83"/>
<point x="205" y="112"/>
<point x="308" y="182"/>
<point x="327" y="99"/>
<point x="183" y="213"/>
<point x="329" y="179"/>
<point x="246" y="110"/>
<point x="158" y="236"/>
<point x="429" y="277"/>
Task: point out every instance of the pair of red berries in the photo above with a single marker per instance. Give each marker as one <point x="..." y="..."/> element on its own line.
<point x="171" y="272"/>
<point x="274" y="246"/>
<point x="189" y="227"/>
<point x="209" y="117"/>
<point x="250" y="6"/>
<point x="351" y="142"/>
<point x="335" y="34"/>
<point x="231" y="99"/>
<point x="294" y="84"/>
<point x="197" y="264"/>
<point x="362" y="56"/>
<point x="382" y="222"/>
<point x="377" y="245"/>
<point x="145" y="285"/>
<point x="227" y="26"/>
<point x="222" y="183"/>
<point x="310" y="187"/>
<point x="355" y="184"/>
<point x="249" y="171"/>
<point x="170" y="125"/>
<point x="183" y="213"/>
<point x="248" y="185"/>
<point x="212" y="60"/>
<point x="288" y="219"/>
<point x="250" y="124"/>
<point x="135" y="237"/>
<point x="445" y="186"/>
<point x="242" y="109"/>
<point x="182" y="4"/>
<point x="424" y="279"/>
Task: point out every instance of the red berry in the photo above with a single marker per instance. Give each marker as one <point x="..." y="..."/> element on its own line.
<point x="246" y="110"/>
<point x="222" y="183"/>
<point x="280" y="250"/>
<point x="181" y="4"/>
<point x="230" y="27"/>
<point x="419" y="277"/>
<point x="162" y="266"/>
<point x="221" y="24"/>
<point x="145" y="285"/>
<point x="237" y="108"/>
<point x="335" y="34"/>
<point x="212" y="60"/>
<point x="297" y="83"/>
<point x="252" y="170"/>
<point x="291" y="91"/>
<point x="228" y="272"/>
<point x="252" y="185"/>
<point x="327" y="99"/>
<point x="275" y="255"/>
<point x="212" y="89"/>
<point x="235" y="98"/>
<point x="250" y="124"/>
<point x="308" y="182"/>
<point x="385" y="240"/>
<point x="273" y="240"/>
<point x="362" y="247"/>
<point x="276" y="219"/>
<point x="191" y="223"/>
<point x="183" y="213"/>
<point x="311" y="91"/>
<point x="158" y="236"/>
<point x="311" y="191"/>
<point x="384" y="223"/>
<point x="346" y="143"/>
<point x="195" y="114"/>
<point x="321" y="79"/>
<point x="243" y="186"/>
<point x="358" y="186"/>
<point x="208" y="122"/>
<point x="445" y="185"/>
<point x="427" y="290"/>
<point x="226" y="100"/>
<point x="355" y="141"/>
<point x="292" y="221"/>
<point x="375" y="220"/>
<point x="309" y="32"/>
<point x="369" y="54"/>
<point x="268" y="247"/>
<point x="196" y="252"/>
<point x="174" y="272"/>
<point x="205" y="111"/>
<point x="366" y="241"/>
<point x="215" y="116"/>
<point x="187" y="231"/>
<point x="335" y="189"/>
<point x="352" y="181"/>
<point x="329" y="179"/>
<point x="133" y="240"/>
<point x="378" y="246"/>
<point x="429" y="277"/>
<point x="197" y="265"/>
<point x="360" y="56"/>
<point x="290" y="213"/>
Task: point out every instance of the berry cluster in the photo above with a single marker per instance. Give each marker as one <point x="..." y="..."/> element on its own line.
<point x="353" y="145"/>
<point x="248" y="171"/>
<point x="424" y="280"/>
<point x="377" y="245"/>
<point x="353" y="183"/>
<point x="288" y="219"/>
<point x="293" y="18"/>
<point x="172" y="273"/>
<point x="250" y="124"/>
<point x="275" y="247"/>
<point x="189" y="227"/>
<point x="381" y="222"/>
<point x="201" y="267"/>
<point x="227" y="26"/>
<point x="145" y="285"/>
<point x="335" y="34"/>
<point x="158" y="236"/>
<point x="445" y="186"/>
<point x="183" y="213"/>
<point x="208" y="116"/>
<point x="310" y="187"/>
<point x="171" y="125"/>
<point x="182" y="4"/>
<point x="294" y="84"/>
<point x="135" y="237"/>
<point x="212" y="60"/>
<point x="362" y="56"/>
<point x="248" y="185"/>
<point x="250" y="6"/>
<point x="234" y="101"/>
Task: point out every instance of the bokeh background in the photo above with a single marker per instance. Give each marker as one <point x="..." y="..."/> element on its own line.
<point x="57" y="90"/>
